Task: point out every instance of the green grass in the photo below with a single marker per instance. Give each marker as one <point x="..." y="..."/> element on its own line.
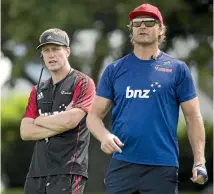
<point x="20" y="191"/>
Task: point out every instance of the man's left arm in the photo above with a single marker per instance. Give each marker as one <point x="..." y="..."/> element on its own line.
<point x="84" y="92"/>
<point x="196" y="134"/>
<point x="61" y="121"/>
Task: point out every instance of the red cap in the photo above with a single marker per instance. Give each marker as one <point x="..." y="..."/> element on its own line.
<point x="146" y="9"/>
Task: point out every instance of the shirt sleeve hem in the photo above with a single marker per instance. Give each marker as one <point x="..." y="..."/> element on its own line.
<point x="188" y="98"/>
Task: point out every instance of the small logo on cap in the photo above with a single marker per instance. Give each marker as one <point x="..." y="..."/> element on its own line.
<point x="49" y="37"/>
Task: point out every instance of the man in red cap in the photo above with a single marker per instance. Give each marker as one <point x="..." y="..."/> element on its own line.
<point x="145" y="90"/>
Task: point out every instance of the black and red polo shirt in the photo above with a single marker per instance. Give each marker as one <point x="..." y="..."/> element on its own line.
<point x="65" y="153"/>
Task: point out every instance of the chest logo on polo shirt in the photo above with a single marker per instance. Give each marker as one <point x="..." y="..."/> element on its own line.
<point x="136" y="93"/>
<point x="130" y="93"/>
<point x="65" y="92"/>
<point x="40" y="96"/>
<point x="165" y="67"/>
<point x="155" y="86"/>
<point x="62" y="108"/>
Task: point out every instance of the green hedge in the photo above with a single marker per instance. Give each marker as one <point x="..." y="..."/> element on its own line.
<point x="12" y="110"/>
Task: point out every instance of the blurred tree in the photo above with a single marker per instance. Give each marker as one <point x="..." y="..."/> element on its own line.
<point x="24" y="21"/>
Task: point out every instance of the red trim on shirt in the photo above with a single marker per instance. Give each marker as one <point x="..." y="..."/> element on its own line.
<point x="75" y="150"/>
<point x="77" y="184"/>
<point x="31" y="109"/>
<point x="84" y="92"/>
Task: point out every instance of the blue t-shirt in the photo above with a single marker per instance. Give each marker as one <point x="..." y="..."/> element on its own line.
<point x="146" y="95"/>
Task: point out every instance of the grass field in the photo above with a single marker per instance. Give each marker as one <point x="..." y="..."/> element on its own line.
<point x="20" y="191"/>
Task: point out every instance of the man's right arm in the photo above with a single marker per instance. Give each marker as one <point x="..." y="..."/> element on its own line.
<point x="30" y="131"/>
<point x="99" y="108"/>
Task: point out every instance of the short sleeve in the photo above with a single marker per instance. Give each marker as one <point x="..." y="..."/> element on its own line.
<point x="84" y="92"/>
<point x="185" y="89"/>
<point x="31" y="109"/>
<point x="105" y="86"/>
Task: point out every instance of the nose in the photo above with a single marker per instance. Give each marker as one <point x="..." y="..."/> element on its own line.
<point x="142" y="25"/>
<point x="51" y="54"/>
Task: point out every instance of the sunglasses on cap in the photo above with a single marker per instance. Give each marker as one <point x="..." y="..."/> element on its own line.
<point x="148" y="22"/>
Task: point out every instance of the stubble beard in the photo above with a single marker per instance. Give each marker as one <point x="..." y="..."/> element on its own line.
<point x="55" y="69"/>
<point x="144" y="42"/>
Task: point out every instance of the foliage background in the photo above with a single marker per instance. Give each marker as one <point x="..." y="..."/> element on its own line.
<point x="24" y="21"/>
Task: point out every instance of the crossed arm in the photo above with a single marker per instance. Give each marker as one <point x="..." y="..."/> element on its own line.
<point x="41" y="127"/>
<point x="47" y="126"/>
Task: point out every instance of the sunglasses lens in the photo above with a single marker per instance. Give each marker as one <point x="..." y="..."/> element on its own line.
<point x="146" y="23"/>
<point x="149" y="23"/>
<point x="137" y="24"/>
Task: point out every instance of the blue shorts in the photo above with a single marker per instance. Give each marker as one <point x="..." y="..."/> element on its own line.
<point x="128" y="178"/>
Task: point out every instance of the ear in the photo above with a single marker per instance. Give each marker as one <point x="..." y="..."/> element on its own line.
<point x="130" y="27"/>
<point x="41" y="56"/>
<point x="68" y="51"/>
<point x="161" y="30"/>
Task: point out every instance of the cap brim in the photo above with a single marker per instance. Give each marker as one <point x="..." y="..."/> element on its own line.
<point x="135" y="14"/>
<point x="51" y="42"/>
